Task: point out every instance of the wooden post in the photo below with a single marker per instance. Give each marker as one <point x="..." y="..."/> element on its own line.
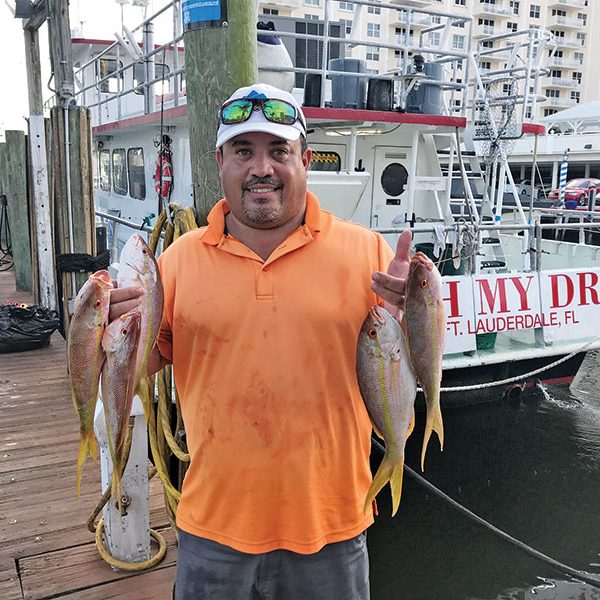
<point x="60" y="49"/>
<point x="41" y="209"/>
<point x="15" y="183"/>
<point x="34" y="74"/>
<point x="218" y="60"/>
<point x="74" y="227"/>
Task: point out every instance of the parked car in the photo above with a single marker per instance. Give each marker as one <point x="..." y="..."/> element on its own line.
<point x="576" y="190"/>
<point x="540" y="198"/>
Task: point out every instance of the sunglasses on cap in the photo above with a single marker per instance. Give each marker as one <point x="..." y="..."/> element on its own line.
<point x="276" y="111"/>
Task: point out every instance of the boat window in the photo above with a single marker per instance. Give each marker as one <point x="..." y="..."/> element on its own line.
<point x="325" y="161"/>
<point x="139" y="76"/>
<point x="104" y="170"/>
<point x="119" y="171"/>
<point x="107" y="67"/>
<point x="137" y="178"/>
<point x="394" y="178"/>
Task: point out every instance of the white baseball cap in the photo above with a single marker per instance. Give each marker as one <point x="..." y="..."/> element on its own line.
<point x="257" y="122"/>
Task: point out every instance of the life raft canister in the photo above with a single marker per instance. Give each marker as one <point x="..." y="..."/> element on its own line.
<point x="163" y="174"/>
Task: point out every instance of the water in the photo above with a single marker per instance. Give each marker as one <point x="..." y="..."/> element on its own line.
<point x="532" y="470"/>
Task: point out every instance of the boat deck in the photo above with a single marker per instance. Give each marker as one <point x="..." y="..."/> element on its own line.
<point x="46" y="550"/>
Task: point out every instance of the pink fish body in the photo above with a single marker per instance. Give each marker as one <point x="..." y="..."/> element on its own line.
<point x="85" y="357"/>
<point x="138" y="267"/>
<point x="425" y="324"/>
<point x="388" y="388"/>
<point x="120" y="343"/>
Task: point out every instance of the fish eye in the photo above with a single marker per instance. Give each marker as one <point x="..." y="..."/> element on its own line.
<point x="98" y="303"/>
<point x="124" y="331"/>
<point x="372" y="333"/>
<point x="423" y="283"/>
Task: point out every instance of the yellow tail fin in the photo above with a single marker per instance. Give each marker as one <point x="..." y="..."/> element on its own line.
<point x="388" y="471"/>
<point x="433" y="423"/>
<point x="87" y="447"/>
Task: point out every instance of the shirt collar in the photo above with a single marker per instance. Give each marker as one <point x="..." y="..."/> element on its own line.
<point x="215" y="230"/>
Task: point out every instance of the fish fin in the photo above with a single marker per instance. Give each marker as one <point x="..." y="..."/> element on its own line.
<point x="87" y="447"/>
<point x="396" y="484"/>
<point x="377" y="431"/>
<point x="411" y="425"/>
<point x="433" y="423"/>
<point x="388" y="471"/>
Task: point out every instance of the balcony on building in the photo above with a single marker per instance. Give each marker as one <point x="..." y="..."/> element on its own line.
<point x="417" y="20"/>
<point x="421" y="3"/>
<point x="487" y="30"/>
<point x="559" y="103"/>
<point x="496" y="10"/>
<point x="569" y="43"/>
<point x="565" y="63"/>
<point x="282" y="4"/>
<point x="404" y="40"/>
<point x="560" y="22"/>
<point x="567" y="3"/>
<point x="561" y="82"/>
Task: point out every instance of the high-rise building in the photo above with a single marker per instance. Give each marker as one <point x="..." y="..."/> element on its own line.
<point x="571" y="79"/>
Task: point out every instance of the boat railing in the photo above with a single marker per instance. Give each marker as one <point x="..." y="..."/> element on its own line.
<point x="93" y="95"/>
<point x="433" y="56"/>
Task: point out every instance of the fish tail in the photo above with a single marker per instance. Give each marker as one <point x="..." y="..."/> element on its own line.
<point x="87" y="447"/>
<point x="396" y="484"/>
<point x="433" y="423"/>
<point x="391" y="471"/>
<point x="115" y="485"/>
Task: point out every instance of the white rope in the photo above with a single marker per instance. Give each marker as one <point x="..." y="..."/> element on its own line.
<point x="480" y="386"/>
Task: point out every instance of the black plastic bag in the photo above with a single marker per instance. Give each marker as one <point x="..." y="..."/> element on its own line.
<point x="26" y="327"/>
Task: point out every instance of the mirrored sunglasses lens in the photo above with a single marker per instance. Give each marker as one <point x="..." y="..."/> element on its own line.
<point x="236" y="112"/>
<point x="279" y="111"/>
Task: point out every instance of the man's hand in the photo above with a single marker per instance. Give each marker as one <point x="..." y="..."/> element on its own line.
<point x="122" y="300"/>
<point x="391" y="286"/>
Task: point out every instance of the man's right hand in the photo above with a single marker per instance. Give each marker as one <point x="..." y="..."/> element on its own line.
<point x="122" y="300"/>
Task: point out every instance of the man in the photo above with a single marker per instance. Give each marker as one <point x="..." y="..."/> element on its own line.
<point x="262" y="313"/>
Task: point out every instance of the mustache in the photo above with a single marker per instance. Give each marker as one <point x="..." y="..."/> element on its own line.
<point x="262" y="181"/>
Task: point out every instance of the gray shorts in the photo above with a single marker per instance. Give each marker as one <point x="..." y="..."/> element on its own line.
<point x="208" y="570"/>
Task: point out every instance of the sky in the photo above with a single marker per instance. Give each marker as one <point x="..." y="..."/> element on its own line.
<point x="94" y="18"/>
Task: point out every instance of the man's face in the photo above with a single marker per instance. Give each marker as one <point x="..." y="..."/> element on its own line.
<point x="263" y="179"/>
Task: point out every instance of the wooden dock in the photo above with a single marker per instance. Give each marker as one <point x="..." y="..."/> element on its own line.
<point x="46" y="550"/>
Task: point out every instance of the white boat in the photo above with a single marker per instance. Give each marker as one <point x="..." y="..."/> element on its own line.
<point x="424" y="146"/>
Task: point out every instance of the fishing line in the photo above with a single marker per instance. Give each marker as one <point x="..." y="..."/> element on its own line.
<point x="565" y="569"/>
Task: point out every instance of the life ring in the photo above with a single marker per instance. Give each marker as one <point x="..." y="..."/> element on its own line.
<point x="163" y="175"/>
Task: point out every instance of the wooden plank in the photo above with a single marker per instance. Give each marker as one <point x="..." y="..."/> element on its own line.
<point x="154" y="585"/>
<point x="18" y="213"/>
<point x="64" y="571"/>
<point x="34" y="72"/>
<point x="42" y="522"/>
<point x="81" y="191"/>
<point x="10" y="585"/>
<point x="41" y="210"/>
<point x="7" y="278"/>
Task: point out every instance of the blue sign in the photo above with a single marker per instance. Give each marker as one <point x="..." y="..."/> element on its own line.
<point x="199" y="14"/>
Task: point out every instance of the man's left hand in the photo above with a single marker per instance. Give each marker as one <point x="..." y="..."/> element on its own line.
<point x="390" y="286"/>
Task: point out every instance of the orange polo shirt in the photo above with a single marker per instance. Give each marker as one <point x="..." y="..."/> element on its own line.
<point x="264" y="357"/>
